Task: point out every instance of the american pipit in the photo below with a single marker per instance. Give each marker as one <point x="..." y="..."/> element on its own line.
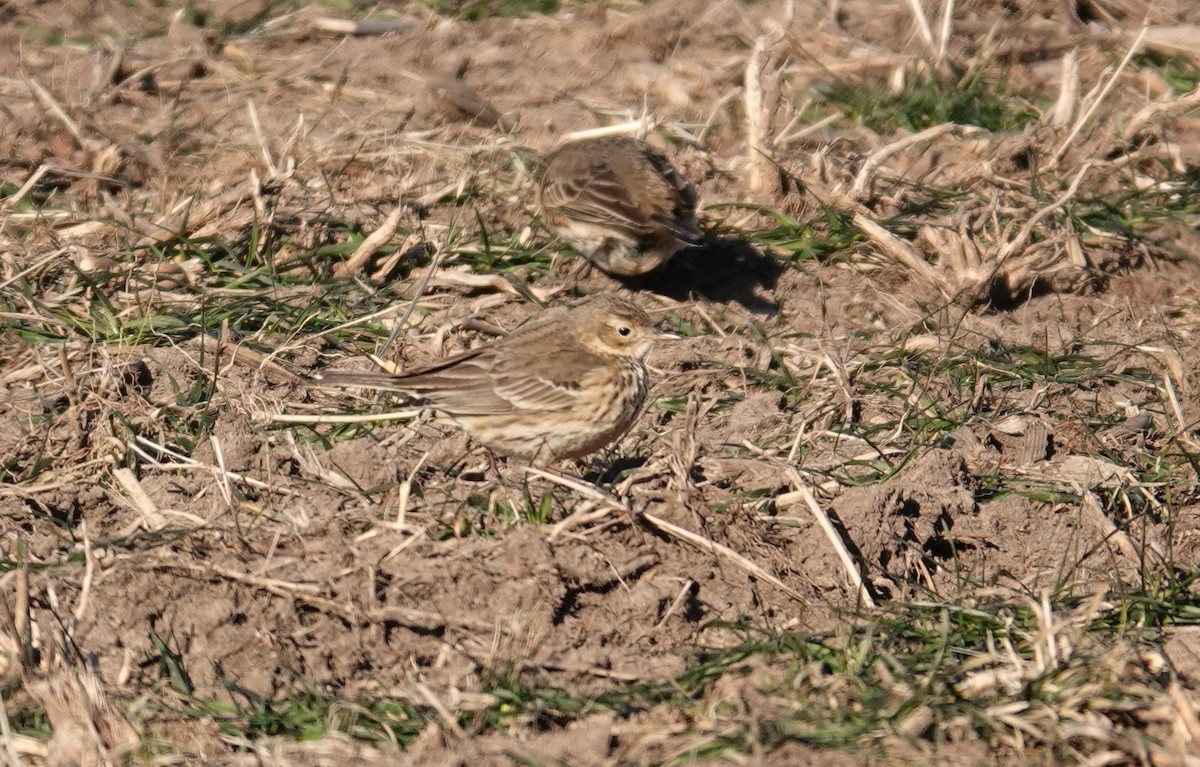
<point x="448" y="97"/>
<point x="560" y="387"/>
<point x="619" y="202"/>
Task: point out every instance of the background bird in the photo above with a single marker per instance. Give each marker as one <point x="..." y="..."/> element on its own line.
<point x="560" y="387"/>
<point x="619" y="202"/>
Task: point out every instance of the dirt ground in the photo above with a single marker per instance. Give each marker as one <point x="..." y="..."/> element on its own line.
<point x="162" y="517"/>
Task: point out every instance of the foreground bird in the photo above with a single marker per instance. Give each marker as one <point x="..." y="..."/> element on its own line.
<point x="619" y="202"/>
<point x="560" y="387"/>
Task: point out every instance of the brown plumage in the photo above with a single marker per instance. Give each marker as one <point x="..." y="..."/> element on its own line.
<point x="448" y="97"/>
<point x="619" y="202"/>
<point x="562" y="386"/>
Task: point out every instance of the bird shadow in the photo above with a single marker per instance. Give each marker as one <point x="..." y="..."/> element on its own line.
<point x="718" y="269"/>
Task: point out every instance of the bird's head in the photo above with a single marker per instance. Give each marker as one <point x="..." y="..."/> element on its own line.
<point x="618" y="327"/>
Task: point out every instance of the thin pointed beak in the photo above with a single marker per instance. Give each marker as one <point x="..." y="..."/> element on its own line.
<point x="664" y="335"/>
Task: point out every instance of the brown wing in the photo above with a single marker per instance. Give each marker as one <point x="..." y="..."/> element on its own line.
<point x="677" y="197"/>
<point x="588" y="189"/>
<point x="459" y="384"/>
<point x="529" y="370"/>
<point x="621" y="183"/>
<point x="546" y="381"/>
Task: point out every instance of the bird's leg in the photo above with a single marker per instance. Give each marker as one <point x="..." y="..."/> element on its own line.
<point x="647" y="472"/>
<point x="494" y="465"/>
<point x="569" y="476"/>
<point x="606" y="472"/>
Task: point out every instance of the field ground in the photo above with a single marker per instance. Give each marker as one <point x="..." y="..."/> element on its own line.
<point x="919" y="485"/>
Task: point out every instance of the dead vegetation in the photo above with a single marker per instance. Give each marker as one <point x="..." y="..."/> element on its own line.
<point x="920" y="485"/>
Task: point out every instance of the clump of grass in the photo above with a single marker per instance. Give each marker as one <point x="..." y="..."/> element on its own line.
<point x="925" y="101"/>
<point x="1135" y="214"/>
<point x="307" y="713"/>
<point x="1179" y="72"/>
<point x="934" y="673"/>
<point x="30" y="720"/>
<point x="477" y="10"/>
<point x="824" y="237"/>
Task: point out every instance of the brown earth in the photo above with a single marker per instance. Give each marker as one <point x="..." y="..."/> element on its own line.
<point x="391" y="563"/>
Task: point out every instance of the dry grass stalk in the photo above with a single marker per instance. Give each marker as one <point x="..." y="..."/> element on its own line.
<point x="442" y="710"/>
<point x="59" y="113"/>
<point x="419" y="291"/>
<point x="861" y="181"/>
<point x="382" y="312"/>
<point x="323" y="418"/>
<point x="1177" y="39"/>
<point x="1018" y="241"/>
<point x="835" y="539"/>
<point x="959" y="256"/>
<point x="361" y="28"/>
<point x="372" y="242"/>
<point x="1188" y="723"/>
<point x="1133" y="552"/>
<point x="15" y="198"/>
<point x="246" y="357"/>
<point x="185" y="220"/>
<point x="675" y="531"/>
<point x="757" y="150"/>
<point x="16" y="745"/>
<point x="1108" y="86"/>
<point x="85" y="587"/>
<point x="22" y="620"/>
<point x="761" y="89"/>
<point x="606" y="503"/>
<point x="688" y="586"/>
<point x="638" y="128"/>
<point x="709" y="545"/>
<point x="88" y="731"/>
<point x="898" y="249"/>
<point x="152" y="518"/>
<point x="463" y="277"/>
<point x="308" y="593"/>
<point x="141" y="446"/>
<point x="682" y="457"/>
<point x="787" y="137"/>
<point x="1165" y="108"/>
<point x="922" y="23"/>
<point x="1068" y="91"/>
<point x="946" y="30"/>
<point x="1181" y="423"/>
<point x="105" y="77"/>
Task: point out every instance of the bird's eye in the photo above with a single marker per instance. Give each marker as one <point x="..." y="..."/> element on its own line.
<point x="624" y="330"/>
